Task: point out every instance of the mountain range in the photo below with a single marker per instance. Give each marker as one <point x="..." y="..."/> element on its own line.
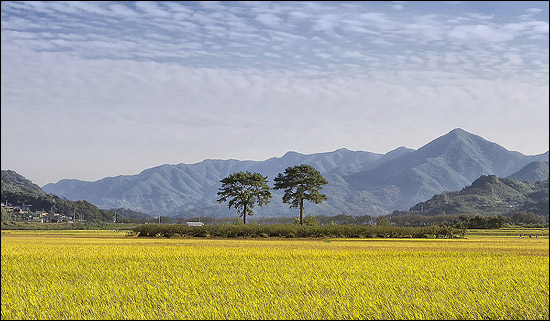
<point x="359" y="182"/>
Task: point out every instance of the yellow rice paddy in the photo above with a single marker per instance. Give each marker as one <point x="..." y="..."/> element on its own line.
<point x="106" y="275"/>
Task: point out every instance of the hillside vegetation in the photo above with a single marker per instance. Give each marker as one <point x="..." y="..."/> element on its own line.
<point x="18" y="191"/>
<point x="490" y="195"/>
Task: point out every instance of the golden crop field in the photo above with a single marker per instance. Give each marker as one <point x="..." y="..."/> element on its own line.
<point x="105" y="275"/>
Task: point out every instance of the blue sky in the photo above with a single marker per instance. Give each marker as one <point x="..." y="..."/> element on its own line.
<point x="97" y="89"/>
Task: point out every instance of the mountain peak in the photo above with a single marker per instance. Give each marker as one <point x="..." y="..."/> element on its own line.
<point x="399" y="150"/>
<point x="456" y="137"/>
<point x="462" y="141"/>
<point x="291" y="154"/>
<point x="458" y="131"/>
<point x="484" y="180"/>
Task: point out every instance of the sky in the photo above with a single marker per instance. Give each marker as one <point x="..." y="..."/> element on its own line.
<point x="98" y="89"/>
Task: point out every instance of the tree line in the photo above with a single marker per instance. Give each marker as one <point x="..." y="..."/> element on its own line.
<point x="524" y="219"/>
<point x="296" y="231"/>
<point x="243" y="190"/>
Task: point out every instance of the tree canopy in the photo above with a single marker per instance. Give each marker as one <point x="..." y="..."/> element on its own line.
<point x="301" y="183"/>
<point x="243" y="190"/>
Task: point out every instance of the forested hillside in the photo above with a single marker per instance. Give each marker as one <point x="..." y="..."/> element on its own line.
<point x="490" y="195"/>
<point x="17" y="191"/>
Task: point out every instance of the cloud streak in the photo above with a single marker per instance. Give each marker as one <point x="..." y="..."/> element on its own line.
<point x="131" y="85"/>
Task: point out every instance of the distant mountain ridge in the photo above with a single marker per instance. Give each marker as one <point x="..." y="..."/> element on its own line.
<point x="189" y="189"/>
<point x="447" y="163"/>
<point x="532" y="172"/>
<point x="359" y="182"/>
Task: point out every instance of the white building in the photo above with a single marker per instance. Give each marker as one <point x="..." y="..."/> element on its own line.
<point x="194" y="223"/>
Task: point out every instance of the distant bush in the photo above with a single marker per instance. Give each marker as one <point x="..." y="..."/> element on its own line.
<point x="300" y="231"/>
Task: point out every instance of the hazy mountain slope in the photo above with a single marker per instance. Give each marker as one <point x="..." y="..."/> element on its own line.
<point x="180" y="189"/>
<point x="359" y="182"/>
<point x="532" y="172"/>
<point x="449" y="162"/>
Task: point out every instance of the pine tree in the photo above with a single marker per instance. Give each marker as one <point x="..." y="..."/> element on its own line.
<point x="301" y="183"/>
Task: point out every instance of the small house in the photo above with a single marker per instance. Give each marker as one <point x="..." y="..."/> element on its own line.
<point x="194" y="223"/>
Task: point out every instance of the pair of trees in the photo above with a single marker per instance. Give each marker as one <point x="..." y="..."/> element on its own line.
<point x="244" y="189"/>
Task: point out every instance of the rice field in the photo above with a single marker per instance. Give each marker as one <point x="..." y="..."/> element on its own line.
<point x="514" y="232"/>
<point x="106" y="275"/>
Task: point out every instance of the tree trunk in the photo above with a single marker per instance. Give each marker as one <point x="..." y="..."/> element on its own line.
<point x="244" y="215"/>
<point x="302" y="211"/>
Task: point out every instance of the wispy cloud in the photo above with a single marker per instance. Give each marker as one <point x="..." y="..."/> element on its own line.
<point x="171" y="76"/>
<point x="269" y="19"/>
<point x="479" y="33"/>
<point x="253" y="26"/>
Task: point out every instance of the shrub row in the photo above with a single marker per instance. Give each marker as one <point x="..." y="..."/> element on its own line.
<point x="292" y="230"/>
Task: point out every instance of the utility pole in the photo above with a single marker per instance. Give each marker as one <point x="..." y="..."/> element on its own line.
<point x="445" y="200"/>
<point x="159" y="217"/>
<point x="115" y="215"/>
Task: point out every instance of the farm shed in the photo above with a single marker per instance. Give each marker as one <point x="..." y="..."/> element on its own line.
<point x="194" y="223"/>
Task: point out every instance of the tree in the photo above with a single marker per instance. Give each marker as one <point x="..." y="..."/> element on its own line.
<point x="364" y="219"/>
<point x="301" y="183"/>
<point x="382" y="221"/>
<point x="6" y="217"/>
<point x="526" y="218"/>
<point x="310" y="220"/>
<point x="344" y="219"/>
<point x="243" y="190"/>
